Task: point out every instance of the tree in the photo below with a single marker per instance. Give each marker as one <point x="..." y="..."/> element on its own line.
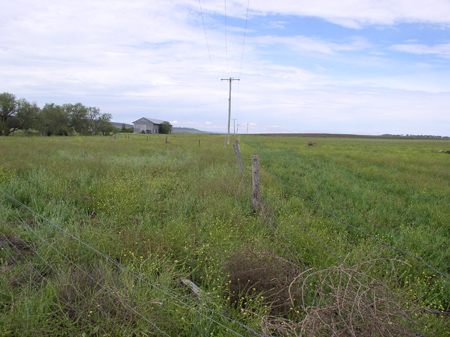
<point x="166" y="127"/>
<point x="103" y="125"/>
<point x="27" y="115"/>
<point x="8" y="109"/>
<point x="79" y="119"/>
<point x="124" y="129"/>
<point x="54" y="121"/>
<point x="93" y="115"/>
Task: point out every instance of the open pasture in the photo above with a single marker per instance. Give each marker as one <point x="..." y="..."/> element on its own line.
<point x="164" y="211"/>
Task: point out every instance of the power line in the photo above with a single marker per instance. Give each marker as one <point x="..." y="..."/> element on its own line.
<point x="245" y="34"/>
<point x="206" y="36"/>
<point x="226" y="35"/>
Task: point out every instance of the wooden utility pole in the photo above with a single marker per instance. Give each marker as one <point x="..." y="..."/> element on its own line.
<point x="229" y="105"/>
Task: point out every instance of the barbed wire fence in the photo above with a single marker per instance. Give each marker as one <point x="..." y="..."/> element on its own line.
<point x="265" y="208"/>
<point x="329" y="213"/>
<point x="90" y="285"/>
<point x="104" y="288"/>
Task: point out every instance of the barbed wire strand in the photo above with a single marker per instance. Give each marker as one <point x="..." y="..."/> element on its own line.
<point x="363" y="278"/>
<point x="166" y="291"/>
<point x="358" y="229"/>
<point x="63" y="277"/>
<point x="76" y="265"/>
<point x="333" y="253"/>
<point x="134" y="274"/>
<point x="11" y="244"/>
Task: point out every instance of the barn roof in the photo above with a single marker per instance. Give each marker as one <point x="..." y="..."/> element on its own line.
<point x="153" y="120"/>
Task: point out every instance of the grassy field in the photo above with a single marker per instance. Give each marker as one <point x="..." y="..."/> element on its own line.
<point x="166" y="211"/>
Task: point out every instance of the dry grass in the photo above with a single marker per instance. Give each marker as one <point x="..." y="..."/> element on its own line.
<point x="347" y="302"/>
<point x="253" y="274"/>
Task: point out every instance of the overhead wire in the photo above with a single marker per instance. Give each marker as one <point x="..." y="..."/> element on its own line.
<point x="226" y="35"/>
<point x="206" y="38"/>
<point x="245" y="35"/>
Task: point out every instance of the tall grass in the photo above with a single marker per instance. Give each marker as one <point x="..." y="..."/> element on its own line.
<point x="395" y="190"/>
<point x="181" y="208"/>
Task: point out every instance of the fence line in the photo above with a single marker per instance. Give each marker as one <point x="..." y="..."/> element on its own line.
<point x="14" y="259"/>
<point x="110" y="291"/>
<point x="335" y="217"/>
<point x="343" y="261"/>
<point x="164" y="290"/>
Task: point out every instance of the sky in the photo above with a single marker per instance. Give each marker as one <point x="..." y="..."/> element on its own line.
<point x="367" y="67"/>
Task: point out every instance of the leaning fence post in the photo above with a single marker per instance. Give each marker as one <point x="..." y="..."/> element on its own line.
<point x="256" y="184"/>
<point x="237" y="150"/>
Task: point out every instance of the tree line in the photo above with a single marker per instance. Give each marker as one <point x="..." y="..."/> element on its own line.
<point x="52" y="119"/>
<point x="418" y="136"/>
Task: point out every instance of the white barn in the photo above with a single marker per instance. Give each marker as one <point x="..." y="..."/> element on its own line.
<point x="148" y="125"/>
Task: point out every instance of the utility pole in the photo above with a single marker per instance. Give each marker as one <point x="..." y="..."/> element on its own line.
<point x="229" y="105"/>
<point x="247" y="128"/>
<point x="234" y="125"/>
<point x="238" y="129"/>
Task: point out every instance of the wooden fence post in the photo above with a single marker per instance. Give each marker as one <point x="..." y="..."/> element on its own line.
<point x="256" y="184"/>
<point x="237" y="150"/>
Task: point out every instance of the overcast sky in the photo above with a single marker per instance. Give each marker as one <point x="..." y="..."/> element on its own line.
<point x="347" y="66"/>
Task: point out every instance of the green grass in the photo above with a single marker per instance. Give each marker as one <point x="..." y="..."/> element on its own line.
<point x="182" y="209"/>
<point x="395" y="190"/>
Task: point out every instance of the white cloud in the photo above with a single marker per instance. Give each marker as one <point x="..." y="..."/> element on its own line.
<point x="348" y="13"/>
<point x="442" y="50"/>
<point x="150" y="58"/>
<point x="313" y="44"/>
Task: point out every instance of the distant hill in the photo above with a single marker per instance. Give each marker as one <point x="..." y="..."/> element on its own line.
<point x="119" y="125"/>
<point x="186" y="130"/>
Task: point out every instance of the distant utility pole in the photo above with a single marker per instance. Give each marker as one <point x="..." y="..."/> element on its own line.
<point x="234" y="125"/>
<point x="238" y="129"/>
<point x="229" y="105"/>
<point x="247" y="128"/>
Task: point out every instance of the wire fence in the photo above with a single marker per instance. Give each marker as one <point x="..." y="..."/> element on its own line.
<point x="269" y="194"/>
<point x="91" y="286"/>
<point x="280" y="205"/>
<point x="332" y="215"/>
